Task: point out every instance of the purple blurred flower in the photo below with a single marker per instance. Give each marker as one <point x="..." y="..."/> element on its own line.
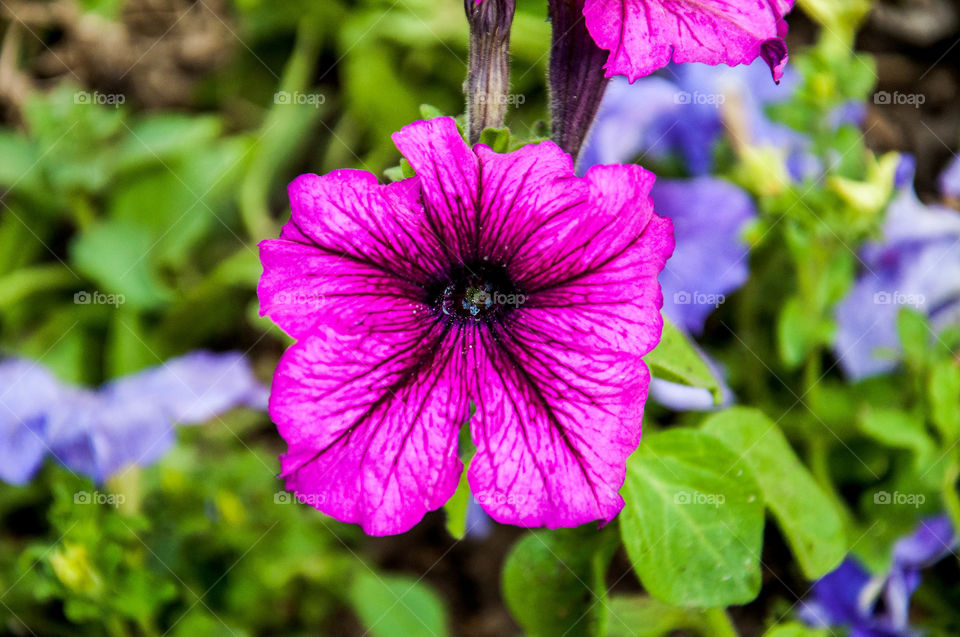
<point x="917" y="265"/>
<point x="879" y="606"/>
<point x="711" y="258"/>
<point x="26" y="392"/>
<point x="950" y="180"/>
<point x="659" y="116"/>
<point x="127" y="421"/>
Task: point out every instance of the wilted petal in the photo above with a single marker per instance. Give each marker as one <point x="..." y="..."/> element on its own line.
<point x="644" y="35"/>
<point x="27" y="391"/>
<point x="372" y="422"/>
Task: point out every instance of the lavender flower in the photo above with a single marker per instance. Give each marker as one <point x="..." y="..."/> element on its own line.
<point x="26" y="393"/>
<point x="501" y="279"/>
<point x="657" y="116"/>
<point x="879" y="606"/>
<point x="917" y="265"/>
<point x="127" y="421"/>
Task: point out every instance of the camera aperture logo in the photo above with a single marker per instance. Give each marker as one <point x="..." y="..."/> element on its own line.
<point x="102" y="99"/>
<point x="499" y="497"/>
<point x="695" y="497"/>
<point x="899" y="298"/>
<point x="288" y="497"/>
<point x="700" y="99"/>
<point x="112" y="499"/>
<point x="902" y="499"/>
<point x="83" y="297"/>
<point x="286" y="97"/>
<point x="886" y="98"/>
<point x="683" y="297"/>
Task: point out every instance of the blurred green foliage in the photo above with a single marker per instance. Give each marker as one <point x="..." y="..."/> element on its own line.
<point x="163" y="208"/>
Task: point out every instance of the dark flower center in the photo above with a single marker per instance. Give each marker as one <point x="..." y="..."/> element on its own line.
<point x="478" y="292"/>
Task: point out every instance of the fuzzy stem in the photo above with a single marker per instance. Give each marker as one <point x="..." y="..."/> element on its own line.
<point x="488" y="77"/>
<point x="577" y="80"/>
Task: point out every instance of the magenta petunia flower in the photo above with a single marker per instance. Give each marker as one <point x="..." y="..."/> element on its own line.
<point x="501" y="281"/>
<point x="645" y="35"/>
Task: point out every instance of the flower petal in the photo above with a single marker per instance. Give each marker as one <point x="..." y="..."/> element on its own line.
<point x="372" y="422"/>
<point x="352" y="248"/>
<point x="98" y="436"/>
<point x="193" y="388"/>
<point x="449" y="176"/>
<point x="711" y="259"/>
<point x="523" y="192"/>
<point x="27" y="391"/>
<point x="561" y="388"/>
<point x="644" y="35"/>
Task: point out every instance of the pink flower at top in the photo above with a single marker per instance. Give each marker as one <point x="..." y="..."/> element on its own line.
<point x="645" y="35"/>
<point x="498" y="280"/>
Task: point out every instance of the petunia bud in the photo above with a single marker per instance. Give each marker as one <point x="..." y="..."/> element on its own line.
<point x="577" y="80"/>
<point x="488" y="76"/>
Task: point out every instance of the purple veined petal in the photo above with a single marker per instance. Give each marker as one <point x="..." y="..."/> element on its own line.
<point x="449" y="177"/>
<point x="348" y="238"/>
<point x="645" y="35"/>
<point x="98" y="435"/>
<point x="933" y="540"/>
<point x="193" y="388"/>
<point x="526" y="197"/>
<point x="711" y="259"/>
<point x="561" y="388"/>
<point x="371" y="422"/>
<point x="27" y="391"/>
<point x="950" y="179"/>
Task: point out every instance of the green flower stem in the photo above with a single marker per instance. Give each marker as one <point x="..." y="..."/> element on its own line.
<point x="951" y="500"/>
<point x="717" y="623"/>
<point x="19" y="284"/>
<point x="286" y="127"/>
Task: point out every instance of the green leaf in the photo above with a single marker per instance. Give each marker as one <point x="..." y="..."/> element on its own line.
<point x="676" y="360"/>
<point x="498" y="139"/>
<point x="693" y="520"/>
<point x="642" y="616"/>
<point x="429" y="111"/>
<point x="914" y="335"/>
<point x="116" y="255"/>
<point x="944" y="394"/>
<point x="553" y="581"/>
<point x="163" y="138"/>
<point x="902" y="430"/>
<point x="807" y="516"/>
<point x="19" y="159"/>
<point x="797" y="332"/>
<point x="397" y="606"/>
<point x="794" y="629"/>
